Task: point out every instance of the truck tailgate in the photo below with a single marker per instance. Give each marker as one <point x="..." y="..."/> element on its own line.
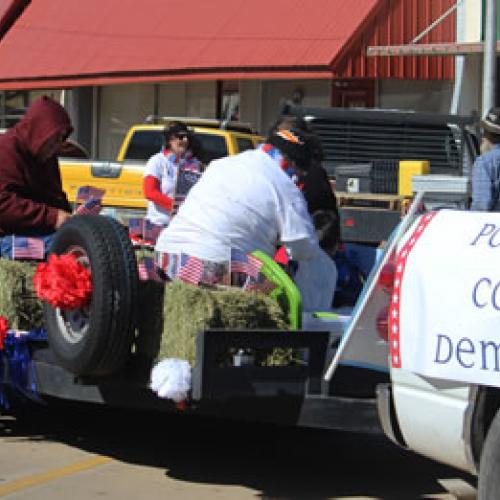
<point x="122" y="181"/>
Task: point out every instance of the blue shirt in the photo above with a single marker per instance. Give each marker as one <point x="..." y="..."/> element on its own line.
<point x="486" y="181"/>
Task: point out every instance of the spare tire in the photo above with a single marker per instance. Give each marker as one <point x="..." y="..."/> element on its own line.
<point x="96" y="340"/>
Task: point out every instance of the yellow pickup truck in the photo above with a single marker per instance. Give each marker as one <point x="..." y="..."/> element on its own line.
<point x="122" y="178"/>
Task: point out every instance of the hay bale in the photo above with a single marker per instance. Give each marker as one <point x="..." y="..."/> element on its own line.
<point x="18" y="302"/>
<point x="189" y="310"/>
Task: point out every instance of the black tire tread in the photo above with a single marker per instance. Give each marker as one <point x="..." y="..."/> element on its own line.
<point x="126" y="285"/>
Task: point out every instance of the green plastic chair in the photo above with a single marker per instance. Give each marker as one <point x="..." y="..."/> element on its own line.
<point x="286" y="292"/>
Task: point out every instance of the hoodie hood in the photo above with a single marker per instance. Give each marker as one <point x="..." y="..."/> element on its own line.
<point x="44" y="119"/>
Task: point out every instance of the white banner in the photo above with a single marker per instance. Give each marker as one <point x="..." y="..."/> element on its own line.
<point x="445" y="312"/>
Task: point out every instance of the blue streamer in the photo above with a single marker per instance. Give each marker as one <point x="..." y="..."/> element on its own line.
<point x="16" y="369"/>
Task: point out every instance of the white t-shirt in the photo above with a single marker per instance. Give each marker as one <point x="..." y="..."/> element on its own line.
<point x="165" y="167"/>
<point x="316" y="280"/>
<point x="243" y="202"/>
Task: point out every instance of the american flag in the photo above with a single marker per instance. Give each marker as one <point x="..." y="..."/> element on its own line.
<point x="245" y="263"/>
<point x="86" y="192"/>
<point x="153" y="271"/>
<point x="91" y="207"/>
<point x="262" y="286"/>
<point x="150" y="231"/>
<point x="142" y="271"/>
<point x="27" y="248"/>
<point x="168" y="263"/>
<point x="135" y="226"/>
<point x="147" y="269"/>
<point x="191" y="269"/>
<point x="215" y="273"/>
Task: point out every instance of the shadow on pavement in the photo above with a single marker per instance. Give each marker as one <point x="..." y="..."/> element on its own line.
<point x="279" y="463"/>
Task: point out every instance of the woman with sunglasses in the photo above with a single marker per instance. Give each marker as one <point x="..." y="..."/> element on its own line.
<point x="162" y="169"/>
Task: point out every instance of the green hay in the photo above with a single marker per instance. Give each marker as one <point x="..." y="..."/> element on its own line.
<point x="18" y="302"/>
<point x="189" y="310"/>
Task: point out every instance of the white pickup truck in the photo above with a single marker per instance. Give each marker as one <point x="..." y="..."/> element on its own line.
<point x="443" y="322"/>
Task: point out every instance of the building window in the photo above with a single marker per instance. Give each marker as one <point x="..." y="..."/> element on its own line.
<point x="229" y="100"/>
<point x="13" y="104"/>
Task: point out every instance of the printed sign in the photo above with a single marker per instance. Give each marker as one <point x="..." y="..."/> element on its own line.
<point x="445" y="312"/>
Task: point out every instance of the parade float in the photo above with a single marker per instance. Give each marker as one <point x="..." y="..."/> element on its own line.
<point x="92" y="322"/>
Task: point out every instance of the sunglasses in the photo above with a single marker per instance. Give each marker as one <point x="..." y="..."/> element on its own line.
<point x="181" y="136"/>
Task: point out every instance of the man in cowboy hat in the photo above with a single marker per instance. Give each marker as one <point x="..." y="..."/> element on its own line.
<point x="486" y="169"/>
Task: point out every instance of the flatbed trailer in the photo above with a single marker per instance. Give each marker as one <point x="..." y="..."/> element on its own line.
<point x="87" y="354"/>
<point x="285" y="395"/>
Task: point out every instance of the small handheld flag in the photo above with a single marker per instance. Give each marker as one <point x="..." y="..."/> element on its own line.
<point x="27" y="248"/>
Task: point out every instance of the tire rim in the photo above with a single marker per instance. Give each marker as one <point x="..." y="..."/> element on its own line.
<point x="74" y="323"/>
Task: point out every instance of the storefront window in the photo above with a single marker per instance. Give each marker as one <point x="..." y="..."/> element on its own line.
<point x="13" y="104"/>
<point x="121" y="106"/>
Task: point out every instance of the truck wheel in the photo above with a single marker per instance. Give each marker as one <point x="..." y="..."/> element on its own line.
<point x="489" y="468"/>
<point x="96" y="339"/>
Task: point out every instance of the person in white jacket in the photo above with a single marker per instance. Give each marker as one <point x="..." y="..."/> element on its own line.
<point x="247" y="202"/>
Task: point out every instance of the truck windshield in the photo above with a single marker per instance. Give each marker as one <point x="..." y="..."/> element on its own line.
<point x="145" y="143"/>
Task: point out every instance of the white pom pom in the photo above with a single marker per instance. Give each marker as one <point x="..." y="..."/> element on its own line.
<point x="171" y="379"/>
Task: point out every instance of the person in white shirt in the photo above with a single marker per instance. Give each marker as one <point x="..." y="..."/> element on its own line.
<point x="247" y="202"/>
<point x="160" y="174"/>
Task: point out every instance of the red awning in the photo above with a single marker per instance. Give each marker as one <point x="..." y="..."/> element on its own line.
<point x="66" y="43"/>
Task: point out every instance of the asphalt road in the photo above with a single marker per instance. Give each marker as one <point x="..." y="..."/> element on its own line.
<point x="83" y="453"/>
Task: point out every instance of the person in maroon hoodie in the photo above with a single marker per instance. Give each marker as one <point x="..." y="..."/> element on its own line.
<point x="32" y="201"/>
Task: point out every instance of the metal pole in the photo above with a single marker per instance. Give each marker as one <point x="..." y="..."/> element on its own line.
<point x="490" y="56"/>
<point x="459" y="62"/>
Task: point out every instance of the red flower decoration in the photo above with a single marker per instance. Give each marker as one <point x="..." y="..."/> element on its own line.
<point x="4" y="328"/>
<point x="63" y="282"/>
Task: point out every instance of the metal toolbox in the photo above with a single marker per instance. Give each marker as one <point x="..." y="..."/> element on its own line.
<point x="376" y="176"/>
<point x="443" y="191"/>
<point x="354" y="178"/>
